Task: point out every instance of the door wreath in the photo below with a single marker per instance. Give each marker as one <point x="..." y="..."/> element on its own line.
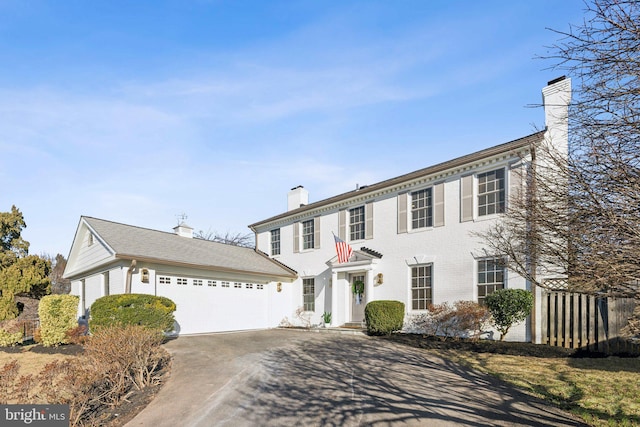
<point x="358" y="287"/>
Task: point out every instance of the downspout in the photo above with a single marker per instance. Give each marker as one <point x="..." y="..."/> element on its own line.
<point x="532" y="211"/>
<point x="127" y="288"/>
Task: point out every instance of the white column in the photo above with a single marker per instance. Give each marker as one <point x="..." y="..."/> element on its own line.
<point x="368" y="290"/>
<point x="334" y="297"/>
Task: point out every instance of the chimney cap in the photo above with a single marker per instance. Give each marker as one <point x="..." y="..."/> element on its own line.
<point x="556" y="80"/>
<point x="295" y="188"/>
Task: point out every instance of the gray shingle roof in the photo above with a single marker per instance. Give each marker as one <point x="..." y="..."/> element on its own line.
<point x="142" y="243"/>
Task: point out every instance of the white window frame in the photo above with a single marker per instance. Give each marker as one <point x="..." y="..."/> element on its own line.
<point x="308" y="234"/>
<point x="357" y="223"/>
<point x="275" y="243"/>
<point x="494" y="194"/>
<point x="424" y="298"/>
<point x="421" y="208"/>
<point x="490" y="280"/>
<point x="309" y="294"/>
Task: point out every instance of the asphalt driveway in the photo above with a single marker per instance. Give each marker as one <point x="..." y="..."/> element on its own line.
<point x="287" y="377"/>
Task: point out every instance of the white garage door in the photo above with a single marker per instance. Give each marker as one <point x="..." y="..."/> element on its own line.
<point x="206" y="305"/>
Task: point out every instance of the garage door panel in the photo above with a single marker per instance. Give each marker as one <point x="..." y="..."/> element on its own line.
<point x="228" y="306"/>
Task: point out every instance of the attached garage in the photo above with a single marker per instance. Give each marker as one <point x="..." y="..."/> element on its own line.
<point x="216" y="287"/>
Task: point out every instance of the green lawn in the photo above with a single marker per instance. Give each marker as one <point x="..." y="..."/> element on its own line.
<point x="602" y="391"/>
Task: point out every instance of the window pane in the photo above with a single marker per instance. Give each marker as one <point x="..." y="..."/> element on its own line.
<point x="421" y="209"/>
<point x="421" y="287"/>
<point x="491" y="192"/>
<point x="308" y="294"/>
<point x="490" y="277"/>
<point x="307" y="235"/>
<point x="356" y="223"/>
<point x="275" y="242"/>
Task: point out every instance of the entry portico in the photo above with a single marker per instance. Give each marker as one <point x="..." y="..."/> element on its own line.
<point x="346" y="305"/>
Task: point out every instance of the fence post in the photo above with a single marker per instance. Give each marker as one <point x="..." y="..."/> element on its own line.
<point x="566" y="317"/>
<point x="602" y="333"/>
<point x="544" y="317"/>
<point x="584" y="342"/>
<point x="553" y="323"/>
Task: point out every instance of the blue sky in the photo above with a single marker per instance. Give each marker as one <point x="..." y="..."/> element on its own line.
<point x="139" y="111"/>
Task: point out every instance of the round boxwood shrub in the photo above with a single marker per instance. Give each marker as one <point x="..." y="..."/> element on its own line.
<point x="133" y="309"/>
<point x="384" y="317"/>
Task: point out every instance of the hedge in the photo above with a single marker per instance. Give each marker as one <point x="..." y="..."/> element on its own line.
<point x="384" y="317"/>
<point x="58" y="314"/>
<point x="9" y="339"/>
<point x="133" y="309"/>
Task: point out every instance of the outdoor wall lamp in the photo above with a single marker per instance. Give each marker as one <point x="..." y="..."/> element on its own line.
<point x="379" y="278"/>
<point x="279" y="287"/>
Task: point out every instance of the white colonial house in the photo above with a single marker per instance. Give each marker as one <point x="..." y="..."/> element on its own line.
<point x="216" y="287"/>
<point x="412" y="240"/>
<point x="411" y="235"/>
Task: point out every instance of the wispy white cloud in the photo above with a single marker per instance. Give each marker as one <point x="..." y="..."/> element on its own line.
<point x="222" y="134"/>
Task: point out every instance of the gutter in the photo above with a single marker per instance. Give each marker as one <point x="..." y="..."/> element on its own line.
<point x="127" y="288"/>
<point x="502" y="149"/>
<point x="291" y="276"/>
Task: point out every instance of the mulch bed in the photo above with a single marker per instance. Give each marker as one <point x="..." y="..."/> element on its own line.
<point x="135" y="403"/>
<point x="67" y="349"/>
<point x="487" y="346"/>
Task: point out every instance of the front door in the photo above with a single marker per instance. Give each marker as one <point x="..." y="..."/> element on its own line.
<point x="358" y="299"/>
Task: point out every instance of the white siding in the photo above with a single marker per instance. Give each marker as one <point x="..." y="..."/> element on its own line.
<point x="449" y="248"/>
<point x="87" y="254"/>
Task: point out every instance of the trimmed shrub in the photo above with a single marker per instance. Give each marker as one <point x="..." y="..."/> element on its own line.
<point x="133" y="309"/>
<point x="9" y="339"/>
<point x="507" y="307"/>
<point x="384" y="317"/>
<point x="58" y="314"/>
<point x="11" y="332"/>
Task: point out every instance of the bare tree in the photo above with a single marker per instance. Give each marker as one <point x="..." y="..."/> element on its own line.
<point x="245" y="240"/>
<point x="59" y="285"/>
<point x="603" y="55"/>
<point x="533" y="235"/>
<point x="579" y="217"/>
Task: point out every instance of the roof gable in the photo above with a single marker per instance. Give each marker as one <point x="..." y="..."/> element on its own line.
<point x="87" y="250"/>
<point x="131" y="242"/>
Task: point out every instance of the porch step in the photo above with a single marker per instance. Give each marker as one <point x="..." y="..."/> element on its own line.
<point x="354" y="325"/>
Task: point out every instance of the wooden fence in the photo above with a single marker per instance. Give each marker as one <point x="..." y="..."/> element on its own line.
<point x="28" y="328"/>
<point x="580" y="321"/>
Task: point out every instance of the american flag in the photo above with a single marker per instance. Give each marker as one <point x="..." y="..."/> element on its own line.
<point x="343" y="249"/>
